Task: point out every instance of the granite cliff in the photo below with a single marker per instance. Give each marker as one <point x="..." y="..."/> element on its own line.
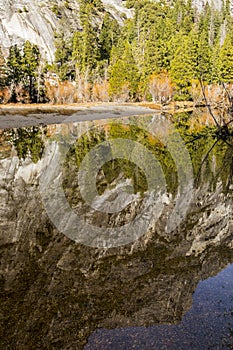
<point x="37" y="21"/>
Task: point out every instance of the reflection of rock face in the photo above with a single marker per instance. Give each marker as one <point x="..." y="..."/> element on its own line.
<point x="54" y="292"/>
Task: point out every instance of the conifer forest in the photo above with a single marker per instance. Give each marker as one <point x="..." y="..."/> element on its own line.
<point x="165" y="52"/>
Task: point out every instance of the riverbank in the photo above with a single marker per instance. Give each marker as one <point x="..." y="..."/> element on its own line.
<point x="69" y="109"/>
<point x="20" y="115"/>
<point x="172" y="107"/>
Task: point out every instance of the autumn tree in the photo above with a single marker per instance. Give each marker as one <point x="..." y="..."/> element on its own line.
<point x="161" y="87"/>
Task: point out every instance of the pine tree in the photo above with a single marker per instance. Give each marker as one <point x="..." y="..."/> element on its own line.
<point x="63" y="64"/>
<point x="14" y="64"/>
<point x="183" y="68"/>
<point x="30" y="64"/>
<point x="182" y="14"/>
<point x="216" y="65"/>
<point x="108" y="37"/>
<point x="124" y="75"/>
<point x="205" y="51"/>
<point x="204" y="59"/>
<point x="149" y="34"/>
<point x="226" y="61"/>
<point x="85" y="43"/>
<point x="3" y="70"/>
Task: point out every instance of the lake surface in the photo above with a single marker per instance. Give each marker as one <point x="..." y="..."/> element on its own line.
<point x="116" y="234"/>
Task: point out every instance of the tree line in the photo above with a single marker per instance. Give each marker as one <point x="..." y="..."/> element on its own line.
<point x="159" y="54"/>
<point x="22" y="74"/>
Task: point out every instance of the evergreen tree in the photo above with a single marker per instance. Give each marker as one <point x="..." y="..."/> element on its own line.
<point x="3" y="70"/>
<point x="108" y="37"/>
<point x="216" y="65"/>
<point x="226" y="61"/>
<point x="30" y="64"/>
<point x="204" y="59"/>
<point x="205" y="52"/>
<point x="85" y="43"/>
<point x="94" y="5"/>
<point x="63" y="64"/>
<point x="183" y="68"/>
<point x="226" y="9"/>
<point x="14" y="64"/>
<point x="164" y="36"/>
<point x="150" y="33"/>
<point x="123" y="73"/>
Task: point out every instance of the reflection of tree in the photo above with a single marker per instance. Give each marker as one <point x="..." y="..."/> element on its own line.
<point x="113" y="169"/>
<point x="223" y="132"/>
<point x="208" y="145"/>
<point x="29" y="142"/>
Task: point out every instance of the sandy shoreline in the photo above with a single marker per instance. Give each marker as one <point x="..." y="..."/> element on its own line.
<point x="16" y="116"/>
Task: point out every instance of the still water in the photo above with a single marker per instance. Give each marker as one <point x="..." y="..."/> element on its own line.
<point x="116" y="234"/>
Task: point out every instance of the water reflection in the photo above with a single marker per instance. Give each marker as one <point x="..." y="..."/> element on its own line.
<point x="55" y="292"/>
<point x="207" y="325"/>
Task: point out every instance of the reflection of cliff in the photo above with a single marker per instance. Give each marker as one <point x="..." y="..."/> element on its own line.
<point x="54" y="292"/>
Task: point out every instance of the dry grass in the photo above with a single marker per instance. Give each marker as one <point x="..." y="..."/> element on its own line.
<point x="69" y="109"/>
<point x="27" y="109"/>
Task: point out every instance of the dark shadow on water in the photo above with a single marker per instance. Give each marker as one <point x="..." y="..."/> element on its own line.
<point x="207" y="325"/>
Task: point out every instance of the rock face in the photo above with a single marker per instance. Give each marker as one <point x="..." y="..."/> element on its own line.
<point x="55" y="292"/>
<point x="117" y="9"/>
<point x="28" y="20"/>
<point x="37" y="21"/>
